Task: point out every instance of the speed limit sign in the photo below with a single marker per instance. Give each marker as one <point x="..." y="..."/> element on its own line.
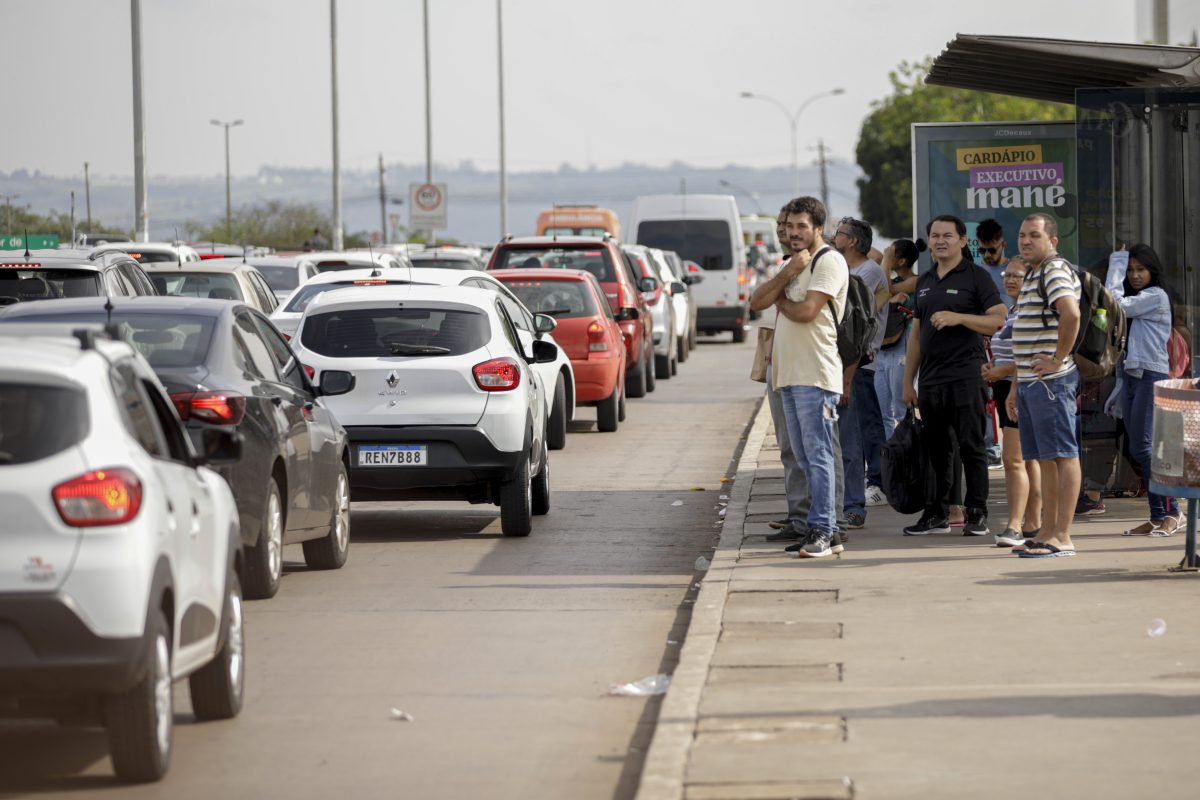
<point x="427" y="206"/>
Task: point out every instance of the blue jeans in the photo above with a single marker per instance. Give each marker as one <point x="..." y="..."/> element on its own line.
<point x="889" y="386"/>
<point x="811" y="413"/>
<point x="1138" y="411"/>
<point x="862" y="438"/>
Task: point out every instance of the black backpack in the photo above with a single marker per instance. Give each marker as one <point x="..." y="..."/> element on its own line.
<point x="856" y="329"/>
<point x="1098" y="345"/>
<point x="905" y="469"/>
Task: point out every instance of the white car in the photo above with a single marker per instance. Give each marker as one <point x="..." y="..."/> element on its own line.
<point x="677" y="291"/>
<point x="446" y="404"/>
<point x="337" y="260"/>
<point x="284" y="273"/>
<point x="153" y="252"/>
<point x="119" y="549"/>
<point x="662" y="310"/>
<point x="558" y="375"/>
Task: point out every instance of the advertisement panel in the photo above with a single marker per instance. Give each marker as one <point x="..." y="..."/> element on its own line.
<point x="997" y="170"/>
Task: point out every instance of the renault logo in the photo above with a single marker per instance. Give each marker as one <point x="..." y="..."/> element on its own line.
<point x="392" y="379"/>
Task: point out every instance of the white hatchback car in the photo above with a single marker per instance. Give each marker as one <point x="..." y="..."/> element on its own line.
<point x="119" y="549"/>
<point x="446" y="404"/>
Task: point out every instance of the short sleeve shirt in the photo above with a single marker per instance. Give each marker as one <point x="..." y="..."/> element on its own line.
<point x="954" y="353"/>
<point x="1036" y="329"/>
<point x="997" y="274"/>
<point x="805" y="353"/>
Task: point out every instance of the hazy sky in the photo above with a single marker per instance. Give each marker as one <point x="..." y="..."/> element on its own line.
<point x="598" y="82"/>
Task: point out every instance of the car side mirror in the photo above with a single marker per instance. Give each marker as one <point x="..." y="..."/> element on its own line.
<point x="544" y="323"/>
<point x="678" y="287"/>
<point x="335" y="382"/>
<point x="544" y="352"/>
<point x="648" y="284"/>
<point x="692" y="278"/>
<point x="627" y="314"/>
<point x="219" y="445"/>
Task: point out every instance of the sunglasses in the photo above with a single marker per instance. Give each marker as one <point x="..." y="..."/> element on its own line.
<point x="991" y="250"/>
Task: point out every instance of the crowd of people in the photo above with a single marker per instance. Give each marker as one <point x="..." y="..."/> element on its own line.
<point x="983" y="355"/>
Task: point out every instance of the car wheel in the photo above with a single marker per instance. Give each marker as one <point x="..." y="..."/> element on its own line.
<point x="556" y="431"/>
<point x="681" y="349"/>
<point x="330" y="551"/>
<point x="540" y="489"/>
<point x="264" y="561"/>
<point x="739" y="334"/>
<point x="635" y="380"/>
<point x="674" y="365"/>
<point x="662" y="367"/>
<point x="219" y="686"/>
<point x="651" y="370"/>
<point x="140" y="720"/>
<point x="621" y="407"/>
<point x="608" y="411"/>
<point x="692" y="336"/>
<point x="516" y="503"/>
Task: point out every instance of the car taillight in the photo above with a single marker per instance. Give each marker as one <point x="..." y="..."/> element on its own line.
<point x="287" y="337"/>
<point x="309" y="371"/>
<point x="597" y="337"/>
<point x="497" y="375"/>
<point x="101" y="497"/>
<point x="218" y="408"/>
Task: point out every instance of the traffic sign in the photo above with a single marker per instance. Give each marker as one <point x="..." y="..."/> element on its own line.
<point x="427" y="206"/>
<point x="49" y="242"/>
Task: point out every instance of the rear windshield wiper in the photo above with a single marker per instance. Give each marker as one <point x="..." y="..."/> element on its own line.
<point x="554" y="312"/>
<point x="402" y="349"/>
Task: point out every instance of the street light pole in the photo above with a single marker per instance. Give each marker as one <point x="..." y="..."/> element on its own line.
<point x="141" y="220"/>
<point x="87" y="194"/>
<point x="429" y="236"/>
<point x="228" y="198"/>
<point x="503" y="160"/>
<point x="793" y="120"/>
<point x="337" y="166"/>
<point x="752" y="195"/>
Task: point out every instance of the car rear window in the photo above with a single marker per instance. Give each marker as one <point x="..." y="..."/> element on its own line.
<point x="281" y="279"/>
<point x="166" y="340"/>
<point x="595" y="260"/>
<point x="444" y="262"/>
<point x="380" y="332"/>
<point x="338" y="266"/>
<point x="47" y="284"/>
<point x="311" y="291"/>
<point x="154" y="258"/>
<point x="215" y="285"/>
<point x="37" y="421"/>
<point x="559" y="299"/>
<point x="705" y="241"/>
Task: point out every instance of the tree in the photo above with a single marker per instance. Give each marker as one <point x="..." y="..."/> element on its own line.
<point x="275" y="224"/>
<point x="885" y="143"/>
<point x="57" y="223"/>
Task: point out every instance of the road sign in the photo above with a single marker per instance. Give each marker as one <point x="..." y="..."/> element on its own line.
<point x="427" y="206"/>
<point x="35" y="242"/>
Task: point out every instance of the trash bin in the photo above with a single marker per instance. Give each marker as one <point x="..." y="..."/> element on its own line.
<point x="1175" y="453"/>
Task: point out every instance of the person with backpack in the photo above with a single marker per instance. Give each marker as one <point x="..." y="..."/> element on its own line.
<point x="957" y="305"/>
<point x="806" y="361"/>
<point x="899" y="263"/>
<point x="1146" y="300"/>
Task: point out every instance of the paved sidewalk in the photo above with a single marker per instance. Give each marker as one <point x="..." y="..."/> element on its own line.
<point x="931" y="667"/>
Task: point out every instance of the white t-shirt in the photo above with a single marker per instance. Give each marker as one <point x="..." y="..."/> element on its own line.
<point x="805" y="353"/>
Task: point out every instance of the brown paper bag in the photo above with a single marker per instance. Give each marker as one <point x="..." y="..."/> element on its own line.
<point x="762" y="355"/>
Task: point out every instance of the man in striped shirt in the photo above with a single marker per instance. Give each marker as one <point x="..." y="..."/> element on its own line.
<point x="1043" y="399"/>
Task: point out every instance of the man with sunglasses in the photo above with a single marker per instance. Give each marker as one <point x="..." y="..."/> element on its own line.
<point x="991" y="250"/>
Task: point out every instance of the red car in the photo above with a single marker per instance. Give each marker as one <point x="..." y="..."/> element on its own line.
<point x="587" y="332"/>
<point x="623" y="287"/>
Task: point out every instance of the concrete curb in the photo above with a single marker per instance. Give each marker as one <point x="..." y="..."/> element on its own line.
<point x="665" y="769"/>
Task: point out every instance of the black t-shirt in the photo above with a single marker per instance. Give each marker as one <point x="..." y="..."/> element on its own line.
<point x="954" y="353"/>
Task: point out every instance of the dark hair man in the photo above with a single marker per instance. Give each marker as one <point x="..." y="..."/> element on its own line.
<point x="991" y="250"/>
<point x="957" y="305"/>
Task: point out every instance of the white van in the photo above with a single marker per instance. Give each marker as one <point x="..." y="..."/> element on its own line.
<point x="760" y="230"/>
<point x="707" y="229"/>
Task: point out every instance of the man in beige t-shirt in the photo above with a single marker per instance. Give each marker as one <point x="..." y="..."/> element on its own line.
<point x="810" y="295"/>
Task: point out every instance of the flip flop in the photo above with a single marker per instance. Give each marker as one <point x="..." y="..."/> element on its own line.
<point x="1055" y="551"/>
<point x="1029" y="542"/>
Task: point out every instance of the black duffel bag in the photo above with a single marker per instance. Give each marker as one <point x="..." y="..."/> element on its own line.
<point x="905" y="468"/>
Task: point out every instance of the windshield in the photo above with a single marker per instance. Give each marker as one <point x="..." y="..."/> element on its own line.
<point x="215" y="285"/>
<point x="338" y="266"/>
<point x="47" y="284"/>
<point x="154" y="258"/>
<point x="561" y="299"/>
<point x="166" y="340"/>
<point x="379" y="332"/>
<point x="594" y="260"/>
<point x="705" y="241"/>
<point x="38" y="421"/>
<point x="281" y="279"/>
<point x="444" y="262"/>
<point x="311" y="291"/>
<point x="559" y="230"/>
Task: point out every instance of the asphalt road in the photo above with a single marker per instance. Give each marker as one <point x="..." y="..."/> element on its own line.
<point x="502" y="651"/>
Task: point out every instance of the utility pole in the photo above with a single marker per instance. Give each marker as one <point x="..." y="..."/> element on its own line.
<point x="503" y="159"/>
<point x="72" y="217"/>
<point x="228" y="196"/>
<point x="1159" y="22"/>
<point x="87" y="194"/>
<point x="141" y="221"/>
<point x="822" y="160"/>
<point x="338" y="241"/>
<point x="383" y="231"/>
<point x="428" y="109"/>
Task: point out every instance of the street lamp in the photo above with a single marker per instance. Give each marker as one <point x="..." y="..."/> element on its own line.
<point x="793" y="119"/>
<point x="752" y="195"/>
<point x="228" y="204"/>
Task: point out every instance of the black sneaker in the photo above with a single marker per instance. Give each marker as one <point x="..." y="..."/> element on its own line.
<point x="836" y="544"/>
<point x="817" y="545"/>
<point x="786" y="535"/>
<point x="927" y="525"/>
<point x="855" y="521"/>
<point x="976" y="523"/>
<point x="779" y="524"/>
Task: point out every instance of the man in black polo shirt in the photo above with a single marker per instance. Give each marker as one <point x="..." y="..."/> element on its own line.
<point x="957" y="305"/>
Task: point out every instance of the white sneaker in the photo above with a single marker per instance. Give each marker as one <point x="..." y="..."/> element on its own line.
<point x="875" y="496"/>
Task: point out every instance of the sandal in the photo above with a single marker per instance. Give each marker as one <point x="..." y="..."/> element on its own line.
<point x="1145" y="529"/>
<point x="1052" y="551"/>
<point x="1164" y="527"/>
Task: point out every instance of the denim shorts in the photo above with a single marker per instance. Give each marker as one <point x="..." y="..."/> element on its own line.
<point x="1046" y="416"/>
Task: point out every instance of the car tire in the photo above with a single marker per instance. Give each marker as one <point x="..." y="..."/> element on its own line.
<point x="140" y="720"/>
<point x="331" y="550"/>
<point x="662" y="367"/>
<point x="651" y="370"/>
<point x="540" y="489"/>
<point x="516" y="503"/>
<point x="739" y="334"/>
<point x="682" y="351"/>
<point x="635" y="380"/>
<point x="692" y="336"/>
<point x="556" y="430"/>
<point x="621" y="407"/>
<point x="219" y="686"/>
<point x="264" y="561"/>
<point x="608" y="411"/>
<point x="674" y="365"/>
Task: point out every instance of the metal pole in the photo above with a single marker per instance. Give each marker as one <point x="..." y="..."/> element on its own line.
<point x="141" y="216"/>
<point x="429" y="236"/>
<point x="338" y="241"/>
<point x="383" y="232"/>
<point x="824" y="177"/>
<point x="1162" y="30"/>
<point x="87" y="194"/>
<point x="503" y="156"/>
<point x="228" y="196"/>
<point x="72" y="217"/>
<point x="795" y="157"/>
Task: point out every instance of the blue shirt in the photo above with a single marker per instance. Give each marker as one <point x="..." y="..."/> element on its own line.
<point x="1149" y="316"/>
<point x="997" y="274"/>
